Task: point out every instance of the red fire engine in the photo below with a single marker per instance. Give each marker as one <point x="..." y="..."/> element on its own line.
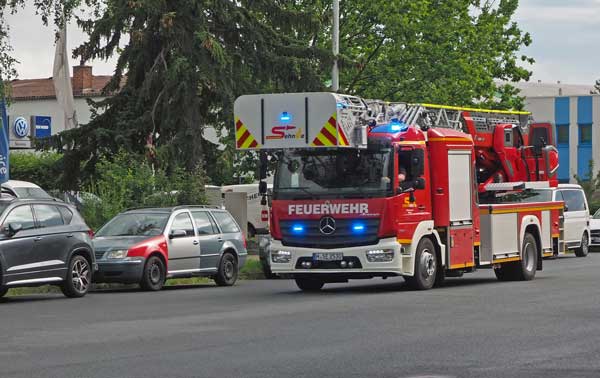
<point x="366" y="189"/>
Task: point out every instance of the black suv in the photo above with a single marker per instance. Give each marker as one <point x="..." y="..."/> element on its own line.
<point x="44" y="242"/>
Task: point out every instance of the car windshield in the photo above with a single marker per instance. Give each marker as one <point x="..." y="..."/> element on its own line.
<point x="597" y="214"/>
<point x="339" y="173"/>
<point x="31" y="193"/>
<point x="139" y="224"/>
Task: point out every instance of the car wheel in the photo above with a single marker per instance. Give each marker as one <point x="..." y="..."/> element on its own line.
<point x="309" y="283"/>
<point x="3" y="291"/>
<point x="426" y="266"/>
<point x="583" y="250"/>
<point x="154" y="274"/>
<point x="228" y="270"/>
<point x="79" y="278"/>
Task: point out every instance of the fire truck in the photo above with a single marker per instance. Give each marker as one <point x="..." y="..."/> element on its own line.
<point x="367" y="189"/>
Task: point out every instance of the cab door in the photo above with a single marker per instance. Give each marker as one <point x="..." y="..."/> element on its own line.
<point x="183" y="245"/>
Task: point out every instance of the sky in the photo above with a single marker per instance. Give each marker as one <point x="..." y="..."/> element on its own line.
<point x="566" y="36"/>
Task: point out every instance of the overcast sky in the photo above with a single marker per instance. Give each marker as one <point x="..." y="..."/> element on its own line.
<point x="566" y="36"/>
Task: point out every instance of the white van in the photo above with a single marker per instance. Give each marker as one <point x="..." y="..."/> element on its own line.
<point x="258" y="215"/>
<point x="24" y="189"/>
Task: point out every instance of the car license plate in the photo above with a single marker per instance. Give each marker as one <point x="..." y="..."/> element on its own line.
<point x="328" y="256"/>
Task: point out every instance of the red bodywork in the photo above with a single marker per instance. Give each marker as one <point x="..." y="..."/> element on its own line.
<point x="148" y="246"/>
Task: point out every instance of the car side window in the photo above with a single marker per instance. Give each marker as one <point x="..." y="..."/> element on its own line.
<point x="574" y="200"/>
<point x="66" y="214"/>
<point x="48" y="216"/>
<point x="20" y="215"/>
<point x="204" y="225"/>
<point x="183" y="221"/>
<point x="226" y="222"/>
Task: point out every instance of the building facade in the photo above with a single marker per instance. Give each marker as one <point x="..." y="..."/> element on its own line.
<point x="34" y="111"/>
<point x="575" y="118"/>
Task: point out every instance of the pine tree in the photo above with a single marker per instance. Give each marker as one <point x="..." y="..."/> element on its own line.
<point x="181" y="65"/>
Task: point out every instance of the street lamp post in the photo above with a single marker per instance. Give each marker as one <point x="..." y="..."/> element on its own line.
<point x="335" y="75"/>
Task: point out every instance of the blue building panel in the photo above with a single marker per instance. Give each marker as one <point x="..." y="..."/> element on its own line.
<point x="585" y="131"/>
<point x="561" y="111"/>
<point x="584" y="110"/>
<point x="562" y="120"/>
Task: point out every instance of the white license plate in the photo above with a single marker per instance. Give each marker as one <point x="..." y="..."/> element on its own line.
<point x="328" y="256"/>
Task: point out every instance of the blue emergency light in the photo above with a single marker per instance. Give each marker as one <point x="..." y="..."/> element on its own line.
<point x="298" y="229"/>
<point x="285" y="117"/>
<point x="358" y="228"/>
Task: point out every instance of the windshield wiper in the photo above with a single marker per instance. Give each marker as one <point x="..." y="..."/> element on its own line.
<point x="302" y="188"/>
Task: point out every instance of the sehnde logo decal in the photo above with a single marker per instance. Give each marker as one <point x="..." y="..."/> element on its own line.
<point x="328" y="208"/>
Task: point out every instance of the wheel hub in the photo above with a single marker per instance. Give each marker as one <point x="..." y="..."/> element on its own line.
<point x="428" y="263"/>
<point x="80" y="276"/>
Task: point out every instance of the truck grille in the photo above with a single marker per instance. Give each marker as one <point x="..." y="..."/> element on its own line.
<point x="344" y="236"/>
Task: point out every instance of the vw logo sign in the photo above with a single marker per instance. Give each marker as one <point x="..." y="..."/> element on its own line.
<point x="327" y="225"/>
<point x="21" y="127"/>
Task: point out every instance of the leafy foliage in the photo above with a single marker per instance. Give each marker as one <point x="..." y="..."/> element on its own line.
<point x="44" y="169"/>
<point x="441" y="51"/>
<point x="182" y="67"/>
<point x="126" y="181"/>
<point x="591" y="186"/>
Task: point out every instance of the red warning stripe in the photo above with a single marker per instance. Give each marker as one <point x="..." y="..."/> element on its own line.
<point x="317" y="142"/>
<point x="341" y="134"/>
<point x="238" y="125"/>
<point x="243" y="138"/>
<point x="328" y="135"/>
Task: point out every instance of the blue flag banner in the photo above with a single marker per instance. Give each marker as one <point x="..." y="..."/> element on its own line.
<point x="4" y="150"/>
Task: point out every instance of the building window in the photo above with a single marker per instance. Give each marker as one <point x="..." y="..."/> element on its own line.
<point x="562" y="134"/>
<point x="585" y="136"/>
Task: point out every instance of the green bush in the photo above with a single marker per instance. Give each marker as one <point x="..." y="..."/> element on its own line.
<point x="44" y="169"/>
<point x="128" y="181"/>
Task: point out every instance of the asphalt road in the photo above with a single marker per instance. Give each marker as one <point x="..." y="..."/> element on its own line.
<point x="473" y="327"/>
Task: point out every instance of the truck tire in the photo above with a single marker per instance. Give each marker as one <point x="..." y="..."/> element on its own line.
<point x="426" y="266"/>
<point x="526" y="268"/>
<point x="583" y="250"/>
<point x="309" y="283"/>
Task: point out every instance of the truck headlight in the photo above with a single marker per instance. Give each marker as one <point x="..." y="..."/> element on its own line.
<point x="380" y="255"/>
<point x="281" y="257"/>
<point x="117" y="254"/>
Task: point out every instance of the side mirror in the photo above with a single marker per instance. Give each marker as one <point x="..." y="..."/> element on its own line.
<point x="262" y="187"/>
<point x="420" y="183"/>
<point x="13" y="228"/>
<point x="417" y="163"/>
<point x="177" y="234"/>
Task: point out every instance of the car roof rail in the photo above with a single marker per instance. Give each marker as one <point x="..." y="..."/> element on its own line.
<point x="196" y="207"/>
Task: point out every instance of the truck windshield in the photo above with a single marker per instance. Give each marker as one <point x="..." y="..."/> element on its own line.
<point x="339" y="173"/>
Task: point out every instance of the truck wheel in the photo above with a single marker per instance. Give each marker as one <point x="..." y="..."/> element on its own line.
<point x="228" y="270"/>
<point x="525" y="269"/>
<point x="426" y="266"/>
<point x="153" y="275"/>
<point x="505" y="272"/>
<point x="309" y="284"/>
<point x="583" y="250"/>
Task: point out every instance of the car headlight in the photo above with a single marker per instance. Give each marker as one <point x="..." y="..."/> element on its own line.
<point x="117" y="254"/>
<point x="281" y="257"/>
<point x="380" y="255"/>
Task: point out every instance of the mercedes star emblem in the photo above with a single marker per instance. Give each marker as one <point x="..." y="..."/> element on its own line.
<point x="327" y="225"/>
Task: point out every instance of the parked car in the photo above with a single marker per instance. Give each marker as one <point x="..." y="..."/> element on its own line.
<point x="24" y="189"/>
<point x="576" y="216"/>
<point x="44" y="242"/>
<point x="595" y="229"/>
<point x="149" y="245"/>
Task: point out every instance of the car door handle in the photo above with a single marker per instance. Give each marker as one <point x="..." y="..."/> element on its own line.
<point x="69" y="235"/>
<point x="196" y="242"/>
<point x="38" y="238"/>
